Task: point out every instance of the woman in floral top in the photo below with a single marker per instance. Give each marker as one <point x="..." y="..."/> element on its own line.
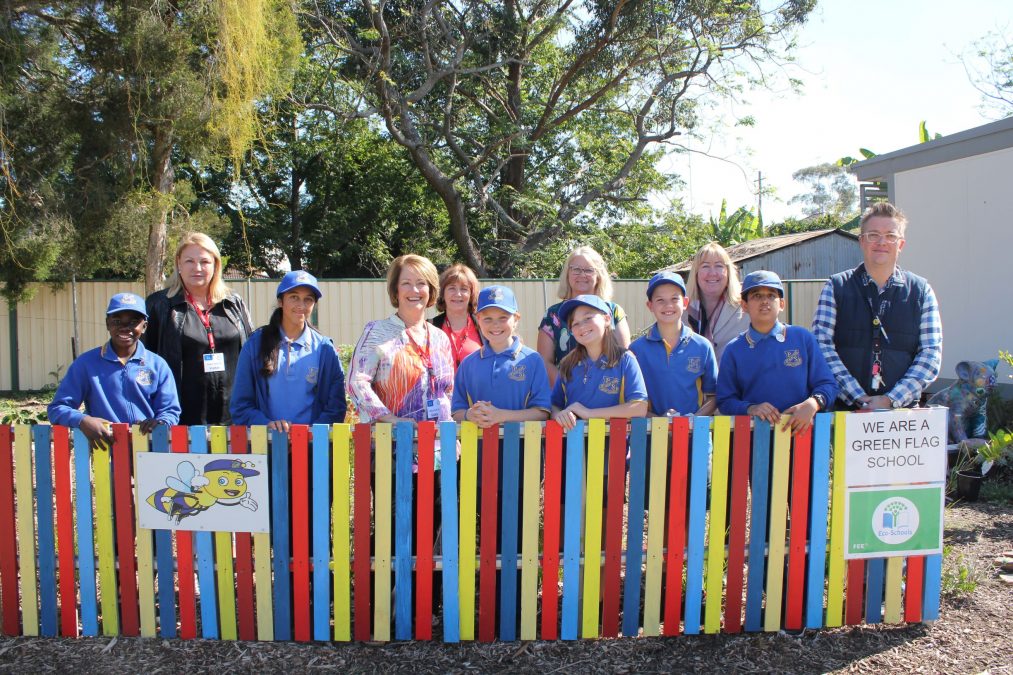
<point x="584" y="273"/>
<point x="402" y="368"/>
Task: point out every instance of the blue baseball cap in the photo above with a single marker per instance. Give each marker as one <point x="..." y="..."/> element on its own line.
<point x="298" y="278"/>
<point x="499" y="297"/>
<point x="592" y="301"/>
<point x="126" y="302"/>
<point x="236" y="465"/>
<point x="762" y="279"/>
<point x="660" y="278"/>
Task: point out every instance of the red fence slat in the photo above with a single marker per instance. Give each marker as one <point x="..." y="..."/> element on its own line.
<point x="679" y="472"/>
<point x="125" y="542"/>
<point x="797" y="536"/>
<point x="550" y="519"/>
<point x="612" y="573"/>
<point x="737" y="524"/>
<point x="361" y="538"/>
<point x="300" y="496"/>
<point x="65" y="531"/>
<point x="179" y="437"/>
<point x="424" y="534"/>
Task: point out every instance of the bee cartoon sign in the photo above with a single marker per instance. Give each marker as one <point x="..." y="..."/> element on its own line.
<point x="207" y="493"/>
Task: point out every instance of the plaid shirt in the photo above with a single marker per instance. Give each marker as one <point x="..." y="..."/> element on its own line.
<point x="923" y="369"/>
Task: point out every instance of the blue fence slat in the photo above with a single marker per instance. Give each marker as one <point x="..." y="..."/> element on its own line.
<point x="280" y="509"/>
<point x="85" y="535"/>
<point x="932" y="586"/>
<point x="405" y="435"/>
<point x="874" y="590"/>
<point x="448" y="538"/>
<point x="46" y="534"/>
<point x="758" y="525"/>
<point x="321" y="519"/>
<point x="572" y="513"/>
<point x="699" y="461"/>
<point x="205" y="546"/>
<point x="816" y="572"/>
<point x="508" y="536"/>
<point x="635" y="529"/>
<point x="163" y="555"/>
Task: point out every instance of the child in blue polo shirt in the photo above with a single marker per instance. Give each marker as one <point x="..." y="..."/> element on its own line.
<point x="503" y="381"/>
<point x="120" y="381"/>
<point x="599" y="378"/>
<point x="679" y="366"/>
<point x="773" y="369"/>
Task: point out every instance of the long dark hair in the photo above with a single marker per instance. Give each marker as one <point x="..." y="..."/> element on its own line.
<point x="270" y="341"/>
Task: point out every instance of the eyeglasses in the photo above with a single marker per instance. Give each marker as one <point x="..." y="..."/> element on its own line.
<point x="589" y="271"/>
<point x="124" y="321"/>
<point x="877" y="237"/>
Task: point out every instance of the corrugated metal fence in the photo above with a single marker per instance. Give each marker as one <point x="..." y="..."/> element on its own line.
<point x="41" y="330"/>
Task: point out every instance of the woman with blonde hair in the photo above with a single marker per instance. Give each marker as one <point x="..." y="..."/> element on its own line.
<point x="715" y="310"/>
<point x="458" y="298"/>
<point x="199" y="326"/>
<point x="583" y="273"/>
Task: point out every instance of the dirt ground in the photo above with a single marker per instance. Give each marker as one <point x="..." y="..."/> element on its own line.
<point x="972" y="636"/>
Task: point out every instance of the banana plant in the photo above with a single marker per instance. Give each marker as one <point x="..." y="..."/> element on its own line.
<point x="742" y="225"/>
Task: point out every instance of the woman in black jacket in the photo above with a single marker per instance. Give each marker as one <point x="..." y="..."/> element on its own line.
<point x="198" y="325"/>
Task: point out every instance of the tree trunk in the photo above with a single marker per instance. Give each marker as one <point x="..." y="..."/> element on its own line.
<point x="163" y="179"/>
<point x="295" y="221"/>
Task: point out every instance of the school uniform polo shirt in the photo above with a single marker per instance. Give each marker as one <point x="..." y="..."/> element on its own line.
<point x="677" y="377"/>
<point x="598" y="386"/>
<point x="513" y="379"/>
<point x="142" y="389"/>
<point x="293" y="385"/>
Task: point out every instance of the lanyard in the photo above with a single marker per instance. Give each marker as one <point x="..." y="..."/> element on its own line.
<point x="457" y="339"/>
<point x="204" y="316"/>
<point x="424" y="355"/>
<point x="878" y="333"/>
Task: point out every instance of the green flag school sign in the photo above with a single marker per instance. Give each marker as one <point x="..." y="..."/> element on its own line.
<point x="895" y="472"/>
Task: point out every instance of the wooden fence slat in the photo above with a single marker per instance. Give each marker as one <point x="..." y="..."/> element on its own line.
<point x="758" y="524"/>
<point x="815" y="575"/>
<point x="104" y="541"/>
<point x="184" y="555"/>
<point x="449" y="538"/>
<point x="697" y="510"/>
<point x="9" y="599"/>
<point x="653" y="589"/>
<point x="123" y="495"/>
<point x="635" y="527"/>
<point x="85" y="535"/>
<point x="777" y="527"/>
<point x="281" y="558"/>
<point x="835" y="563"/>
<point x="718" y="517"/>
<point x="424" y="532"/>
<point x="321" y="532"/>
<point x="894" y="592"/>
<point x="487" y="534"/>
<point x="225" y="566"/>
<point x="795" y="598"/>
<point x="875" y="568"/>
<point x="572" y="512"/>
<point x="551" y="530"/>
<point x="341" y="511"/>
<point x="742" y="439"/>
<point x="262" y="555"/>
<point x="593" y="508"/>
<point x="299" y="499"/>
<point x="205" y="549"/>
<point x="64" y="531"/>
<point x="529" y="534"/>
<point x="508" y="539"/>
<point x="468" y="529"/>
<point x="45" y="531"/>
<point x="382" y="532"/>
<point x="913" y="589"/>
<point x="245" y="616"/>
<point x="933" y="585"/>
<point x="856" y="592"/>
<point x="677" y="494"/>
<point x="404" y="451"/>
<point x="145" y="550"/>
<point x="165" y="578"/>
<point x="615" y="500"/>
<point x="26" y="530"/>
<point x="363" y="521"/>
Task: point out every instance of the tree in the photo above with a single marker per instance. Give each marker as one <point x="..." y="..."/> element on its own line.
<point x="832" y="191"/>
<point x="529" y="117"/>
<point x="989" y="67"/>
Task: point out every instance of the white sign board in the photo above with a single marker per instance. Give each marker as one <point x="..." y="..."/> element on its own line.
<point x="206" y="493"/>
<point x="898" y="447"/>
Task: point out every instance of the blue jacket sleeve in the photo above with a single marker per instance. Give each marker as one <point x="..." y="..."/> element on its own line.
<point x="333" y="387"/>
<point x="165" y="401"/>
<point x="65" y="408"/>
<point x="729" y="395"/>
<point x="243" y="404"/>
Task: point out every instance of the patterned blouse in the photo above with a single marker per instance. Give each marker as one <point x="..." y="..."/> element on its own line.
<point x="388" y="374"/>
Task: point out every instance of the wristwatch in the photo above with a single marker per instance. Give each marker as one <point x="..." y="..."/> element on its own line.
<point x="821" y="401"/>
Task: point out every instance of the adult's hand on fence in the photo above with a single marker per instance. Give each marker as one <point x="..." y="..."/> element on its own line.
<point x="876" y="402"/>
<point x="802" y="415"/>
<point x="98" y="431"/>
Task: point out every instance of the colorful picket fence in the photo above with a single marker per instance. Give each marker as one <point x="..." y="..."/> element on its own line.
<point x="733" y="526"/>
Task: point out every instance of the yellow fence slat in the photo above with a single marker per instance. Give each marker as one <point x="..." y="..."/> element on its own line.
<point x="468" y="525"/>
<point x="145" y="553"/>
<point x="341" y="552"/>
<point x="224" y="556"/>
<point x="26" y="529"/>
<point x="778" y="526"/>
<point x="262" y="555"/>
<point x="529" y="537"/>
<point x="382" y="529"/>
<point x="656" y="526"/>
<point x="835" y="560"/>
<point x="894" y="589"/>
<point x="718" y="518"/>
<point x="104" y="540"/>
<point x="592" y="525"/>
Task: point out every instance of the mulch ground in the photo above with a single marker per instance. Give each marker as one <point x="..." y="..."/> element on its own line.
<point x="972" y="636"/>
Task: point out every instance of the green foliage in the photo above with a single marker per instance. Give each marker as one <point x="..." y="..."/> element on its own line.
<point x="959" y="578"/>
<point x="27" y="407"/>
<point x="832" y="192"/>
<point x="742" y="225"/>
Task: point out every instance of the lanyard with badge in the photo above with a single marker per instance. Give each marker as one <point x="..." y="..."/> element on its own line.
<point x="215" y="361"/>
<point x="432" y="405"/>
<point x="879" y="335"/>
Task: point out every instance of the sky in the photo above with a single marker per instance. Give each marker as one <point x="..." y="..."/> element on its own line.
<point x="872" y="71"/>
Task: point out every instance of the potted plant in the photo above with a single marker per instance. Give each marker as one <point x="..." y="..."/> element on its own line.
<point x="975" y="457"/>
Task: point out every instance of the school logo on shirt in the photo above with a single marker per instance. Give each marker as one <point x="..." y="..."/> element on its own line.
<point x="609" y="385"/>
<point x="311" y="376"/>
<point x="144" y="377"/>
<point x="518" y="373"/>
<point x="792" y="358"/>
<point x="694" y="364"/>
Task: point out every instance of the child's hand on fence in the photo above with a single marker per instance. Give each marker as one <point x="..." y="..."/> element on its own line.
<point x="765" y="411"/>
<point x="98" y="431"/>
<point x="801" y="415"/>
<point x="279" y="425"/>
<point x="566" y="419"/>
<point x="147" y="426"/>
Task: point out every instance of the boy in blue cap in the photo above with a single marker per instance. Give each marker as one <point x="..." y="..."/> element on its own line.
<point x="503" y="381"/>
<point x="679" y="366"/>
<point x="120" y="381"/>
<point x="773" y="369"/>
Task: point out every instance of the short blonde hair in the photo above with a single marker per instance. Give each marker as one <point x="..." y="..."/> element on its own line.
<point x="422" y="265"/>
<point x="733" y="292"/>
<point x="886" y="210"/>
<point x="459" y="272"/>
<point x="216" y="287"/>
<point x="603" y="283"/>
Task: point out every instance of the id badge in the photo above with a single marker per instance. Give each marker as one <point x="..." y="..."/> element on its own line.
<point x="432" y="409"/>
<point x="214" y="363"/>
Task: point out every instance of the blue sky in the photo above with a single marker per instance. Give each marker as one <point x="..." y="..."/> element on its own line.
<point x="872" y="70"/>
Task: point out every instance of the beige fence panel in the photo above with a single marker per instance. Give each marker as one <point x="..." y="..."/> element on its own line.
<point x="5" y="348"/>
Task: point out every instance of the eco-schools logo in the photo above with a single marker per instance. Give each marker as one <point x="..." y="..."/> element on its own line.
<point x="895" y="520"/>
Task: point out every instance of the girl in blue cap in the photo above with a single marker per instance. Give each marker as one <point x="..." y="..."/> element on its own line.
<point x="288" y="372"/>
<point x="599" y="378"/>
